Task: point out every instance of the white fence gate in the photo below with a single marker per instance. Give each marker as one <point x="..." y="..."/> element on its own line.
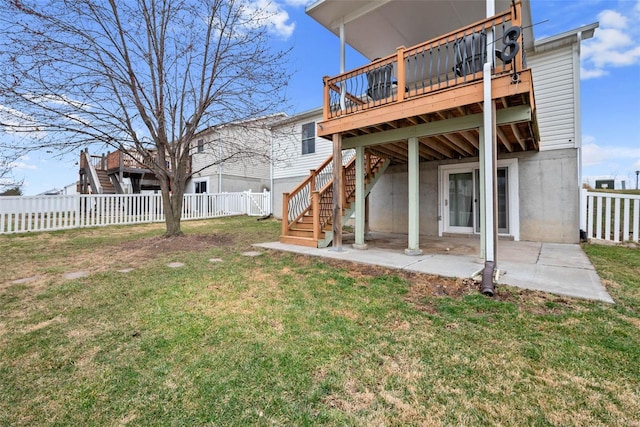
<point x="43" y="213"/>
<point x="610" y="216"/>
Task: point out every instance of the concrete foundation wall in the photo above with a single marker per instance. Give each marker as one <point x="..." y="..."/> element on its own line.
<point x="388" y="201"/>
<point x="233" y="184"/>
<point x="548" y="197"/>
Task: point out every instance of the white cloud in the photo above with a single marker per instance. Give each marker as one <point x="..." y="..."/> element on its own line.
<point x="590" y="74"/>
<point x="593" y="154"/>
<point x="21" y="163"/>
<point x="272" y="15"/>
<point x="615" y="43"/>
<point x="611" y="18"/>
<point x="13" y="121"/>
<point x="297" y="3"/>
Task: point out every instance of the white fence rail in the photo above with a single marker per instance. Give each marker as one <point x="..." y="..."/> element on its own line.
<point x="45" y="213"/>
<point x="610" y="216"/>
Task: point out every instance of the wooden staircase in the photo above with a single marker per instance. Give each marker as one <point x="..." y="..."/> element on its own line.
<point x="307" y="212"/>
<point x="105" y="182"/>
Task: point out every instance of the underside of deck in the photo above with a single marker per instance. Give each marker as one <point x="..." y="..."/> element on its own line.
<point x="458" y="102"/>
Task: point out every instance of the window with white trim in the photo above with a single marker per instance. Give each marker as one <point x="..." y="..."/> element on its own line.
<point x="200" y="187"/>
<point x="309" y="138"/>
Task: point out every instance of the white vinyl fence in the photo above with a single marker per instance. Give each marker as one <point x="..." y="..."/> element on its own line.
<point x="610" y="216"/>
<point x="42" y="213"/>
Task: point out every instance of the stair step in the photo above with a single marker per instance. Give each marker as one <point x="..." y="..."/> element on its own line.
<point x="300" y="233"/>
<point x="300" y="241"/>
<point x="304" y="225"/>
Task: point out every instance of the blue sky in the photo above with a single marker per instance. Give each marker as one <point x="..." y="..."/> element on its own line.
<point x="610" y="86"/>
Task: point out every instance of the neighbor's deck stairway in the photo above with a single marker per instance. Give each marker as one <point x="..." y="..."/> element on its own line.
<point x="105" y="182"/>
<point x="307" y="212"/>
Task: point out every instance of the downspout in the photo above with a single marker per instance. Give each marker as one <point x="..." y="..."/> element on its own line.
<point x="489" y="167"/>
<point x="219" y="165"/>
<point x="578" y="142"/>
<point x="342" y="64"/>
<point x="271" y="190"/>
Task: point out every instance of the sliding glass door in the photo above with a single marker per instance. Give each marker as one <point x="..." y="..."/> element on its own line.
<point x="462" y="200"/>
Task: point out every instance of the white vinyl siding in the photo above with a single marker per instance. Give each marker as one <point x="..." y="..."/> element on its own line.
<point x="554" y="86"/>
<point x="233" y="137"/>
<point x="290" y="162"/>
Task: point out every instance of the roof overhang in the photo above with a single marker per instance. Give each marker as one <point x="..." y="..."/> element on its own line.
<point x="563" y="39"/>
<point x="376" y="28"/>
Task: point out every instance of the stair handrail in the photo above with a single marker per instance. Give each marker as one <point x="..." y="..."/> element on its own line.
<point x="326" y="214"/>
<point x="309" y="194"/>
<point x="315" y="203"/>
<point x="297" y="202"/>
<point x="94" y="181"/>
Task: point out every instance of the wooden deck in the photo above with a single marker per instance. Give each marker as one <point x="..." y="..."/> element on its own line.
<point x="436" y="81"/>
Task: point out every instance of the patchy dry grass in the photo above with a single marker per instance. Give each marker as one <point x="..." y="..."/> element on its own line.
<point x="288" y="340"/>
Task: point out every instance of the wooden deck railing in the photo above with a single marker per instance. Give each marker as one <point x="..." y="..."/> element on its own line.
<point x="98" y="162"/>
<point x="446" y="61"/>
<point x="129" y="160"/>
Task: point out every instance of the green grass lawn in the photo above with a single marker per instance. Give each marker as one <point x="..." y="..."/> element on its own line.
<point x="281" y="339"/>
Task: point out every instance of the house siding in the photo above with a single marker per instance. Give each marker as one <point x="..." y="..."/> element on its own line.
<point x="290" y="165"/>
<point x="289" y="160"/>
<point x="249" y="172"/>
<point x="555" y="91"/>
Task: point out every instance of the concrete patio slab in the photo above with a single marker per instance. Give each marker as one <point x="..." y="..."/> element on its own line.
<point x="561" y="269"/>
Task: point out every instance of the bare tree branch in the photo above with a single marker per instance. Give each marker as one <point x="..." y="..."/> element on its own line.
<point x="146" y="75"/>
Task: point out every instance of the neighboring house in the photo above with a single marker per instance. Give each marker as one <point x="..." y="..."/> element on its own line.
<point x="117" y="172"/>
<point x="71" y="189"/>
<point x="52" y="192"/>
<point x="233" y="157"/>
<point x="441" y="148"/>
<point x="227" y="158"/>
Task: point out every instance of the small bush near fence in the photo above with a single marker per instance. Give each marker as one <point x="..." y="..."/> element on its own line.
<point x="45" y="213"/>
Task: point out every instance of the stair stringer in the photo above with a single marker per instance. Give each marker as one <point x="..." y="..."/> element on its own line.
<point x="328" y="235"/>
<point x="117" y="184"/>
<point x="94" y="180"/>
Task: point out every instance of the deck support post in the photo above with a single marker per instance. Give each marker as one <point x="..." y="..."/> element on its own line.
<point x="337" y="192"/>
<point x="414" y="197"/>
<point x="360" y="200"/>
<point x="367" y="229"/>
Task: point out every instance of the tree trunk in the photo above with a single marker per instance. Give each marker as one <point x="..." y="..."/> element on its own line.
<point x="172" y="198"/>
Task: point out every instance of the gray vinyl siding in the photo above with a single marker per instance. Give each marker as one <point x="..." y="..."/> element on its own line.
<point x="555" y="93"/>
<point x="289" y="160"/>
<point x="228" y="140"/>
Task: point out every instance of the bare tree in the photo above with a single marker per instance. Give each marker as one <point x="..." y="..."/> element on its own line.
<point x="147" y="75"/>
<point x="9" y="185"/>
